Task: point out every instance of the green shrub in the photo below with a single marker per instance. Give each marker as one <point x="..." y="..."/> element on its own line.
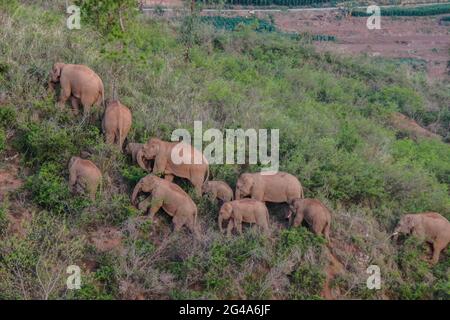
<point x="2" y="140"/>
<point x="46" y="142"/>
<point x="51" y="191"/>
<point x="31" y="265"/>
<point x="110" y="16"/>
<point x="430" y="154"/>
<point x="414" y="11"/>
<point x="7" y="117"/>
<point x="415" y="269"/>
<point x="133" y="174"/>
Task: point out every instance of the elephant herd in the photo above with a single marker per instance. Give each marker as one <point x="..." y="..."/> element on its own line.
<point x="247" y="204"/>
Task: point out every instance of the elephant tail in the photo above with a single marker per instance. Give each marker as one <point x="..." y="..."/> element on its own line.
<point x="102" y="94"/>
<point x="207" y="172"/>
<point x="302" y="194"/>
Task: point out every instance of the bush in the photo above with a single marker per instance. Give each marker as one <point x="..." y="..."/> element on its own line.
<point x="2" y="140"/>
<point x="31" y="266"/>
<point x="110" y="16"/>
<point x="51" y="191"/>
<point x="7" y="117"/>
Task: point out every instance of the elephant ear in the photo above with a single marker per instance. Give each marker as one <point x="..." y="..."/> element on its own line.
<point x="57" y="69"/>
<point x="228" y="208"/>
<point x="72" y="161"/>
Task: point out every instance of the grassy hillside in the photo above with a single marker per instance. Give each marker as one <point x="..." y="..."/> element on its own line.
<point x="335" y="136"/>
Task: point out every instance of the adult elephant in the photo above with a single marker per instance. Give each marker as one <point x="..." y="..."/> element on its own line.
<point x="428" y="226"/>
<point x="175" y="159"/>
<point x="116" y="123"/>
<point x="279" y="187"/>
<point x="79" y="83"/>
<point x="171" y="198"/>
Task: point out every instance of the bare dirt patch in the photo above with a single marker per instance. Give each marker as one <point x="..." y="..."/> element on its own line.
<point x="411" y="127"/>
<point x="18" y="215"/>
<point x="106" y="239"/>
<point x="9" y="179"/>
<point x="421" y="38"/>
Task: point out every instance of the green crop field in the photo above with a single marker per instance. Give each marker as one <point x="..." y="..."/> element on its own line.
<point x="409" y="12"/>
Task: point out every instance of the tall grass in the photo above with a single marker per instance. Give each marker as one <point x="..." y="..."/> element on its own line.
<point x="331" y="112"/>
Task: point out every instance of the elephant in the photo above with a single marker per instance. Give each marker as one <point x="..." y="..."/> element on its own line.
<point x="169" y="196"/>
<point x="428" y="226"/>
<point x="218" y="189"/>
<point x="279" y="187"/>
<point x="314" y="212"/>
<point x="116" y="123"/>
<point x="132" y="149"/>
<point x="244" y="210"/>
<point x="79" y="83"/>
<point x="84" y="176"/>
<point x="163" y="151"/>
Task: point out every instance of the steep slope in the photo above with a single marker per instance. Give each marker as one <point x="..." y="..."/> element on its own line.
<point x="335" y="136"/>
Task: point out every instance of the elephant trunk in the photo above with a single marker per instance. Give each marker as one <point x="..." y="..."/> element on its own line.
<point x="395" y="234"/>
<point x="51" y="85"/>
<point x="136" y="191"/>
<point x="220" y="223"/>
<point x="140" y="160"/>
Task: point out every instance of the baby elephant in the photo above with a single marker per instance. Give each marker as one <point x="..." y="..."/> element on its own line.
<point x="218" y="189"/>
<point x="428" y="226"/>
<point x="245" y="210"/>
<point x="132" y="149"/>
<point x="84" y="176"/>
<point x="169" y="196"/>
<point x="314" y="212"/>
<point x="116" y="123"/>
<point x="79" y="83"/>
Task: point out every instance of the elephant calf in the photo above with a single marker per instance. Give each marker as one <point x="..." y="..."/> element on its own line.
<point x="218" y="189"/>
<point x="132" y="149"/>
<point x="116" y="123"/>
<point x="245" y="210"/>
<point x="84" y="176"/>
<point x="169" y="196"/>
<point x="314" y="212"/>
<point x="79" y="83"/>
<point x="428" y="226"/>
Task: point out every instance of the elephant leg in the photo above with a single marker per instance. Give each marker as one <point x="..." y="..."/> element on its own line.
<point x="121" y="142"/>
<point x="75" y="104"/>
<point x="326" y="231"/>
<point x="437" y="248"/>
<point x="72" y="181"/>
<point x="317" y="227"/>
<point x="65" y="94"/>
<point x="169" y="177"/>
<point x="230" y="227"/>
<point x="86" y="106"/>
<point x="156" y="205"/>
<point x="238" y="226"/>
<point x="109" y="138"/>
<point x="144" y="204"/>
<point x="178" y="222"/>
<point x="192" y="227"/>
<point x="197" y="182"/>
<point x="92" y="190"/>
